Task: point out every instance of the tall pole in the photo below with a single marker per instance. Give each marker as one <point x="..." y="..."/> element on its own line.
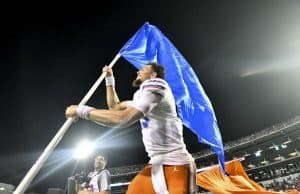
<point x="59" y="135"/>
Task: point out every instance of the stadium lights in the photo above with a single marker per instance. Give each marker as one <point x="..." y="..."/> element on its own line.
<point x="264" y="161"/>
<point x="246" y="154"/>
<point x="276" y="147"/>
<point x="84" y="149"/>
<point x="6" y="188"/>
<point x="258" y="153"/>
<point x="279" y="157"/>
<point x="287" y="141"/>
<point x="283" y="146"/>
<point x="295" y="153"/>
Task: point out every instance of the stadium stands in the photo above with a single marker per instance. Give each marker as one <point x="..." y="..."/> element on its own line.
<point x="270" y="157"/>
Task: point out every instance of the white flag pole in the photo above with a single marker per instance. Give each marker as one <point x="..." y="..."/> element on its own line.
<point x="57" y="138"/>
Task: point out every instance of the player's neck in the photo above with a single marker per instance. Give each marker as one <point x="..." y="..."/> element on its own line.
<point x="98" y="169"/>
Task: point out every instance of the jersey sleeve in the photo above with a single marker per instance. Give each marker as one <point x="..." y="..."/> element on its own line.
<point x="146" y="101"/>
<point x="155" y="85"/>
<point x="150" y="94"/>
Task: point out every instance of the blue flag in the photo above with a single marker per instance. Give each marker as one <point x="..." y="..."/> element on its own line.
<point x="149" y="44"/>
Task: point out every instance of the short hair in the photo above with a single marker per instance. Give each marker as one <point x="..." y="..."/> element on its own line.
<point x="158" y="69"/>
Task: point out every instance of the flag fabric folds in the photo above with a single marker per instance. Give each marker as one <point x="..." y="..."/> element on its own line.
<point x="149" y="44"/>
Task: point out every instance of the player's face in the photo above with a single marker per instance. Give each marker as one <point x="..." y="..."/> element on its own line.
<point x="99" y="162"/>
<point x="145" y="73"/>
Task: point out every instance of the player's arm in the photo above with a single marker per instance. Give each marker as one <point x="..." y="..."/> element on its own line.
<point x="117" y="118"/>
<point x="112" y="98"/>
<point x="109" y="118"/>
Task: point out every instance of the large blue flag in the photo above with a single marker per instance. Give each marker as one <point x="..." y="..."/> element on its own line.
<point x="149" y="44"/>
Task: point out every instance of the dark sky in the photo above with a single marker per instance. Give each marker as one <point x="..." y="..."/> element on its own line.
<point x="245" y="53"/>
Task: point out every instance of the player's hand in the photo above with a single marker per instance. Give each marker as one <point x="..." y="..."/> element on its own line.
<point x="71" y="111"/>
<point x="108" y="71"/>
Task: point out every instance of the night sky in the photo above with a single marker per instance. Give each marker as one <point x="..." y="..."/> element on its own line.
<point x="245" y="53"/>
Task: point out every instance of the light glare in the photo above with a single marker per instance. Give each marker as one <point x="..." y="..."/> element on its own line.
<point x="84" y="149"/>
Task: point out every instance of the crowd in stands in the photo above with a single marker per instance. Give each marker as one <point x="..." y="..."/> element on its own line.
<point x="276" y="172"/>
<point x="117" y="171"/>
<point x="280" y="184"/>
<point x="286" y="183"/>
<point x="283" y="178"/>
<point x="255" y="136"/>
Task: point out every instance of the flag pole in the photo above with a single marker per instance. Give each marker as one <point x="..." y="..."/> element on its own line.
<point x="59" y="135"/>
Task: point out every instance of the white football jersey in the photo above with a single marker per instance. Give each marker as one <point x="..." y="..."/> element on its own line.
<point x="161" y="128"/>
<point x="100" y="181"/>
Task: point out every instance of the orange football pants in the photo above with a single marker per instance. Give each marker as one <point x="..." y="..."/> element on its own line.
<point x="176" y="177"/>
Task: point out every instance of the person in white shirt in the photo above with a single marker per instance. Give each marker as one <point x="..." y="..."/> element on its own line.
<point x="100" y="177"/>
<point x="171" y="168"/>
